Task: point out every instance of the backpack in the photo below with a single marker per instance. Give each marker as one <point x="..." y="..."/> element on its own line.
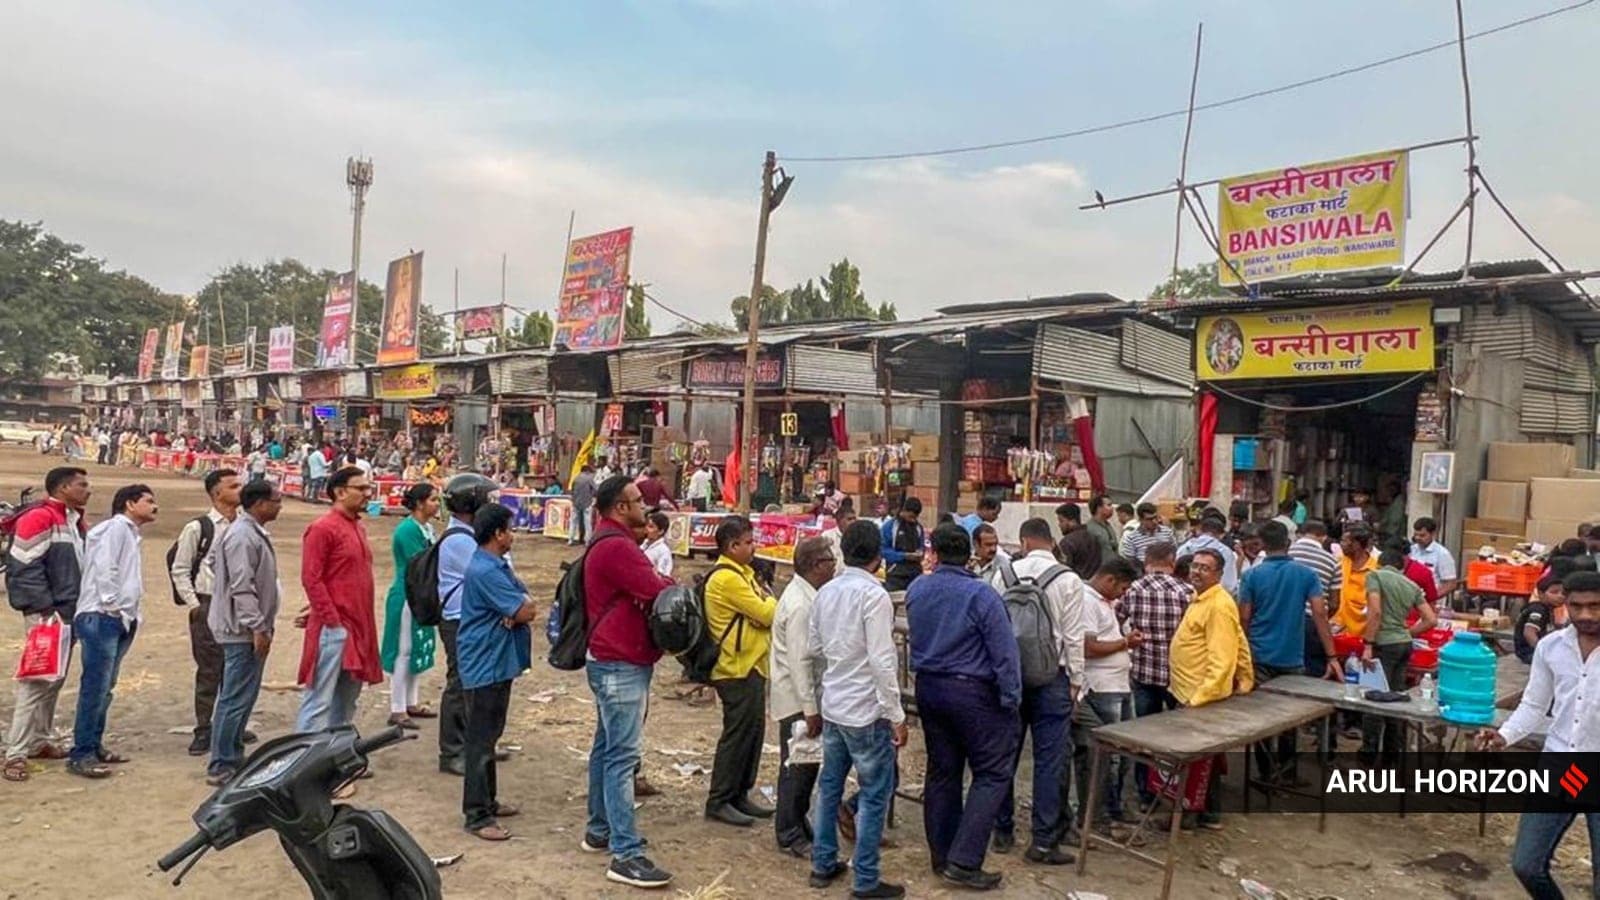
<point x="568" y="626"/>
<point x="8" y="530"/>
<point x="208" y="533"/>
<point x="700" y="660"/>
<point x="422" y="582"/>
<point x="1029" y="612"/>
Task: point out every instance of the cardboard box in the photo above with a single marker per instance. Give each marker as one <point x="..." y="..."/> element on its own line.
<point x="967" y="502"/>
<point x="1502" y="543"/>
<point x="1551" y="532"/>
<point x="861" y="440"/>
<point x="926" y="473"/>
<point x="903" y="435"/>
<point x="924" y="448"/>
<point x="1502" y="500"/>
<point x="853" y="482"/>
<point x="1515" y="527"/>
<point x="1569" y="499"/>
<point x="1521" y="462"/>
<point x="1583" y="473"/>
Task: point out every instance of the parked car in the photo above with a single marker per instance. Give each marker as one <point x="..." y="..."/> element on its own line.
<point x="17" y="433"/>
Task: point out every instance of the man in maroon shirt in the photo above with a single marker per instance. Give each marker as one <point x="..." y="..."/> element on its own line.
<point x="654" y="491"/>
<point x="340" y="651"/>
<point x="620" y="586"/>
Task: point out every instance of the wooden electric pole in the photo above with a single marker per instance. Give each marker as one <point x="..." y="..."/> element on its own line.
<point x="749" y="434"/>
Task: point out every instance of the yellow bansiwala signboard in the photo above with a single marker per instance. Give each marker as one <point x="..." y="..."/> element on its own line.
<point x="408" y="382"/>
<point x="1335" y="216"/>
<point x="1370" y="339"/>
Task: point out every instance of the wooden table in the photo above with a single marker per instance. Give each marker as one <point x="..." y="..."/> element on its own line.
<point x="1181" y="736"/>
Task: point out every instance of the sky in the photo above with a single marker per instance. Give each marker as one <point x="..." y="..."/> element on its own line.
<point x="175" y="138"/>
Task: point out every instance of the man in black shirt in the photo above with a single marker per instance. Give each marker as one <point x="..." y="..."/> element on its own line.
<point x="1078" y="549"/>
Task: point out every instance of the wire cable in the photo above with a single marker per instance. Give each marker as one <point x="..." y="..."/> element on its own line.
<point x="1215" y="104"/>
<point x="1212" y="386"/>
<point x="692" y="321"/>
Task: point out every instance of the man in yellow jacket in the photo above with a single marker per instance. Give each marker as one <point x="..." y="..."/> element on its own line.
<point x="739" y="614"/>
<point x="1209" y="659"/>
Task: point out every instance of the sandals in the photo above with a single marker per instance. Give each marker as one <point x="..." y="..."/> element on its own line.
<point x="89" y="770"/>
<point x="111" y="757"/>
<point x="16" y="770"/>
<point x="505" y="810"/>
<point x="421" y="712"/>
<point x="490" y="832"/>
<point x="49" y="751"/>
<point x="404" y="721"/>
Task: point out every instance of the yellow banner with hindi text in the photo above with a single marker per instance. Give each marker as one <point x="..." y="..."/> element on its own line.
<point x="1369" y="339"/>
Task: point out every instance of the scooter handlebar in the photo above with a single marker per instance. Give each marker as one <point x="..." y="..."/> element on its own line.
<point x="188" y="848"/>
<point x="391" y="735"/>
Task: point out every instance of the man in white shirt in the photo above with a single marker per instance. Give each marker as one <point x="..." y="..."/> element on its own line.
<point x="852" y="632"/>
<point x="655" y="544"/>
<point x="1046" y="710"/>
<point x="987" y="557"/>
<point x="794" y="693"/>
<point x="107" y="618"/>
<point x="1558" y="685"/>
<point x="1107" y="668"/>
<point x="192" y="573"/>
<point x="1431" y="553"/>
<point x="700" y="487"/>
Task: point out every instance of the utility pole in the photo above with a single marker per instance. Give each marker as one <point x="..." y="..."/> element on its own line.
<point x="455" y="324"/>
<point x="358" y="176"/>
<point x="749" y="452"/>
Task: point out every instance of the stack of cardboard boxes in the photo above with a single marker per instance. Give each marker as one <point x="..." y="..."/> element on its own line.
<point x="1533" y="494"/>
<point x="927" y="476"/>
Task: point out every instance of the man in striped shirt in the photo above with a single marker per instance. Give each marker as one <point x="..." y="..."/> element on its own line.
<point x="1151" y="531"/>
<point x="1307" y="550"/>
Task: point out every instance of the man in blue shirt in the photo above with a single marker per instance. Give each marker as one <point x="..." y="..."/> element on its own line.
<point x="494" y="646"/>
<point x="902" y="546"/>
<point x="1212" y="525"/>
<point x="464" y="495"/>
<point x="1273" y="598"/>
<point x="969" y="687"/>
<point x="988" y="511"/>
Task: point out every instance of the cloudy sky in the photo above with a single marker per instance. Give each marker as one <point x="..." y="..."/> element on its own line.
<point x="174" y="138"/>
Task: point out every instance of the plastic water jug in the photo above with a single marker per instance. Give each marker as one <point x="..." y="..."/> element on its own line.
<point x="1466" y="680"/>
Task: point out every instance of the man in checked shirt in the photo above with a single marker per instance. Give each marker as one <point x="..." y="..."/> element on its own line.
<point x="1153" y="605"/>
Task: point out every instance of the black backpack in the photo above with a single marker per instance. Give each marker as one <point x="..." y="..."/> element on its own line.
<point x="422" y="582"/>
<point x="1028" y="608"/>
<point x="568" y="627"/>
<point x="208" y="533"/>
<point x="700" y="660"/>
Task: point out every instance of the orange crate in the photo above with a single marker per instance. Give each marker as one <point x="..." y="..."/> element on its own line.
<point x="1502" y="578"/>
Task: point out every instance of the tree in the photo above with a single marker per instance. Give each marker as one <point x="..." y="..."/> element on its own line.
<point x="807" y="303"/>
<point x="774" y="308"/>
<point x="537" y="330"/>
<point x="887" y="312"/>
<point x="1191" y="283"/>
<point x="635" y="324"/>
<point x="842" y="285"/>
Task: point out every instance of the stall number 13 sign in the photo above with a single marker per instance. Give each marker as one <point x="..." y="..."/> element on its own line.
<point x="789" y="424"/>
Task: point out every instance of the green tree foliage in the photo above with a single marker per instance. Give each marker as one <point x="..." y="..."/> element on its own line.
<point x="839" y="297"/>
<point x="1191" y="283"/>
<point x="537" y="330"/>
<point x="635" y="324"/>
<point x="887" y="312"/>
<point x="774" y="308"/>
<point x="807" y="303"/>
<point x="55" y="299"/>
<point x="842" y="285"/>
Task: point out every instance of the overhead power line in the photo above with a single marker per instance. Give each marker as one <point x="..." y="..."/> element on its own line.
<point x="1178" y="113"/>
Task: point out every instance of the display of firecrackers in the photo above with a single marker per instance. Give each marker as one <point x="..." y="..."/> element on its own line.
<point x="1430" y="416"/>
<point x="883" y="460"/>
<point x="1029" y="467"/>
<point x="771" y="458"/>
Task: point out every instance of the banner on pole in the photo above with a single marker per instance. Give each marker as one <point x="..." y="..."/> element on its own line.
<point x="1335" y="216"/>
<point x="147" y="353"/>
<point x="594" y="291"/>
<point x="402" y="298"/>
<point x="280" y="349"/>
<point x="335" y="347"/>
<point x="482" y="322"/>
<point x="200" y="361"/>
<point x="171" y="355"/>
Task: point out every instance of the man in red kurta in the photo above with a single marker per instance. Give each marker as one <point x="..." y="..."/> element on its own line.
<point x="340" y="652"/>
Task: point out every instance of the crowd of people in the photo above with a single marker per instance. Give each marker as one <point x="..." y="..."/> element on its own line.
<point x="1103" y="624"/>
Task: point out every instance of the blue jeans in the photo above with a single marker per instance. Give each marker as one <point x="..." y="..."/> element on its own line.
<point x="1537" y="837"/>
<point x="330" y="699"/>
<point x="241" y="686"/>
<point x="620" y="692"/>
<point x="104" y="642"/>
<point x="1046" y="712"/>
<point x="1108" y="709"/>
<point x="870" y="749"/>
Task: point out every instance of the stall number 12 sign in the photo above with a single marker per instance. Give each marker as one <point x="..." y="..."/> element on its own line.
<point x="789" y="424"/>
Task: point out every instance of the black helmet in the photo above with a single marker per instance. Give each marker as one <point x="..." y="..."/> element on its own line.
<point x="675" y="620"/>
<point x="468" y="492"/>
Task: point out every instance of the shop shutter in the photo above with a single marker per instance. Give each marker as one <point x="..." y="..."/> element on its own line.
<point x="520" y="375"/>
<point x="656" y="372"/>
<point x="1087" y="359"/>
<point x="1154" y="351"/>
<point x="824" y="370"/>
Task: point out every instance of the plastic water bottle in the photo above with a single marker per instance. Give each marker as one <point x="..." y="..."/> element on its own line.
<point x="1428" y="705"/>
<point x="1352" y="678"/>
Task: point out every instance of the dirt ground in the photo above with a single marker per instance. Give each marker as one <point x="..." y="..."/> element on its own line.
<point x="72" y="838"/>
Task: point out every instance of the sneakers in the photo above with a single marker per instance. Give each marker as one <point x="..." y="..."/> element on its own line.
<point x="200" y="745"/>
<point x="639" y="872"/>
<point x="883" y="889"/>
<point x="593" y="843"/>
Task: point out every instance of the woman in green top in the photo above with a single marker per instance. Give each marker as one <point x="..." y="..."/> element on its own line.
<point x="407" y="649"/>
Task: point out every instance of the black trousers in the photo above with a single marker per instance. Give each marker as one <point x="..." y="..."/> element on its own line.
<point x="486" y="721"/>
<point x="964" y="728"/>
<point x="744" y="722"/>
<point x="1376" y="733"/>
<point x="795" y="784"/>
<point x="207" y="666"/>
<point x="452" y="703"/>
